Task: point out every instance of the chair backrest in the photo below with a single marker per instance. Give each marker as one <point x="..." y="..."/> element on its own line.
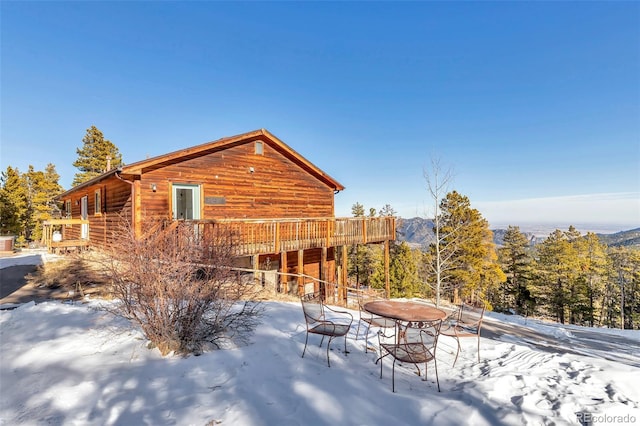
<point x="365" y="296"/>
<point x="471" y="317"/>
<point x="312" y="307"/>
<point x="424" y="332"/>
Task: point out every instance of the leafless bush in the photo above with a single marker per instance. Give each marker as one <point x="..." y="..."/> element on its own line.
<point x="177" y="283"/>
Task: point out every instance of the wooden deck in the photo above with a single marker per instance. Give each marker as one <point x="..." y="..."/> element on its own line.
<point x="52" y="225"/>
<point x="266" y="236"/>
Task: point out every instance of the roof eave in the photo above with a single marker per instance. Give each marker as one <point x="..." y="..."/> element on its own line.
<point x="88" y="183"/>
<point x="145" y="165"/>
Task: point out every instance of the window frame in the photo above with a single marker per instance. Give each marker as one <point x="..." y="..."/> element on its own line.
<point x="196" y="200"/>
<point x="97" y="202"/>
<point x="259" y="148"/>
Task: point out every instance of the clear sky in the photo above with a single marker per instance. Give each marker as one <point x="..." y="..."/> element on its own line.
<point x="535" y="106"/>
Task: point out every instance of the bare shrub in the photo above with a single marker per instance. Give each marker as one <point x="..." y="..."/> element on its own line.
<point x="177" y="283"/>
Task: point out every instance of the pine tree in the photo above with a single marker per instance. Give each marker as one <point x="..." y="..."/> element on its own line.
<point x="403" y="272"/>
<point x="557" y="269"/>
<point x="623" y="290"/>
<point x="491" y="274"/>
<point x="467" y="250"/>
<point x="357" y="210"/>
<point x="26" y="200"/>
<point x="592" y="255"/>
<point x="362" y="262"/>
<point x="13" y="202"/>
<point x="387" y="211"/>
<point x="94" y="155"/>
<point x="404" y="263"/>
<point x="42" y="187"/>
<point x="516" y="262"/>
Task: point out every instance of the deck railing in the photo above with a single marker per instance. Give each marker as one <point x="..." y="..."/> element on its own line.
<point x="62" y="227"/>
<point x="265" y="236"/>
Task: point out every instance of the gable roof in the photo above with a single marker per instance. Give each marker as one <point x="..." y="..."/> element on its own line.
<point x="154" y="163"/>
<point x="227" y="142"/>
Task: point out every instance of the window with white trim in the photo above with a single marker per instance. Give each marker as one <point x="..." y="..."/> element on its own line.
<point x="185" y="200"/>
<point x="97" y="201"/>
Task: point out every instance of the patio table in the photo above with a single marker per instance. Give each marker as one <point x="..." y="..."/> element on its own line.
<point x="404" y="310"/>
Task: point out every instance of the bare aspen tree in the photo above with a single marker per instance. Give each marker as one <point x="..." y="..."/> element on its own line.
<point x="438" y="181"/>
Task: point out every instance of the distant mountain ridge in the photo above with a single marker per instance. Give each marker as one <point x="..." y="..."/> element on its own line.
<point x="630" y="238"/>
<point x="418" y="232"/>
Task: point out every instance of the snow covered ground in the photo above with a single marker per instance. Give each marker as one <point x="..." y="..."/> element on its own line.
<point x="75" y="364"/>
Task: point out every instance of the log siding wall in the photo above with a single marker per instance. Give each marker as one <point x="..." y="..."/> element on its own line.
<point x="277" y="188"/>
<point x="115" y="205"/>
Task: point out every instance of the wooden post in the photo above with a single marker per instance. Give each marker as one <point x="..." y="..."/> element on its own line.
<point x="329" y="226"/>
<point x="276" y="248"/>
<point x="342" y="286"/>
<point x="137" y="209"/>
<point x="386" y="269"/>
<point x="364" y="230"/>
<point x="300" y="272"/>
<point x="255" y="264"/>
<point x="284" y="279"/>
<point x="323" y="267"/>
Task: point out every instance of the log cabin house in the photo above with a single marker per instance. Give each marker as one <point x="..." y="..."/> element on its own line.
<point x="280" y="204"/>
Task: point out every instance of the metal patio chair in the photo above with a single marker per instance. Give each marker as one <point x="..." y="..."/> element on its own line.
<point x="416" y="344"/>
<point x="317" y="321"/>
<point x="368" y="320"/>
<point x="465" y="322"/>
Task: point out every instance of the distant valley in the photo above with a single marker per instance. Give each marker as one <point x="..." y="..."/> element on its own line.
<point x="418" y="232"/>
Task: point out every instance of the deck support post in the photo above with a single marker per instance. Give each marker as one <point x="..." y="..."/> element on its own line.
<point x="323" y="269"/>
<point x="300" y="272"/>
<point x="284" y="279"/>
<point x="342" y="285"/>
<point x="255" y="264"/>
<point x="387" y="287"/>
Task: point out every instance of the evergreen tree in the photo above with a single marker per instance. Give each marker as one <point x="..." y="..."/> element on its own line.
<point x="13" y="202"/>
<point x="404" y="280"/>
<point x="469" y="257"/>
<point x="42" y="187"/>
<point x="491" y="274"/>
<point x="387" y="211"/>
<point x="403" y="272"/>
<point x="622" y="309"/>
<point x="424" y="263"/>
<point x="592" y="256"/>
<point x="557" y="269"/>
<point x="94" y="155"/>
<point x="516" y="262"/>
<point x="357" y="210"/>
<point x="26" y="199"/>
<point x="362" y="262"/>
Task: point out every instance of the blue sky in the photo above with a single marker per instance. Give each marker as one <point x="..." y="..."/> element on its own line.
<point x="535" y="106"/>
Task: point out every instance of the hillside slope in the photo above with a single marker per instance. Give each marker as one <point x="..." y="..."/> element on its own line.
<point x="418" y="232"/>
